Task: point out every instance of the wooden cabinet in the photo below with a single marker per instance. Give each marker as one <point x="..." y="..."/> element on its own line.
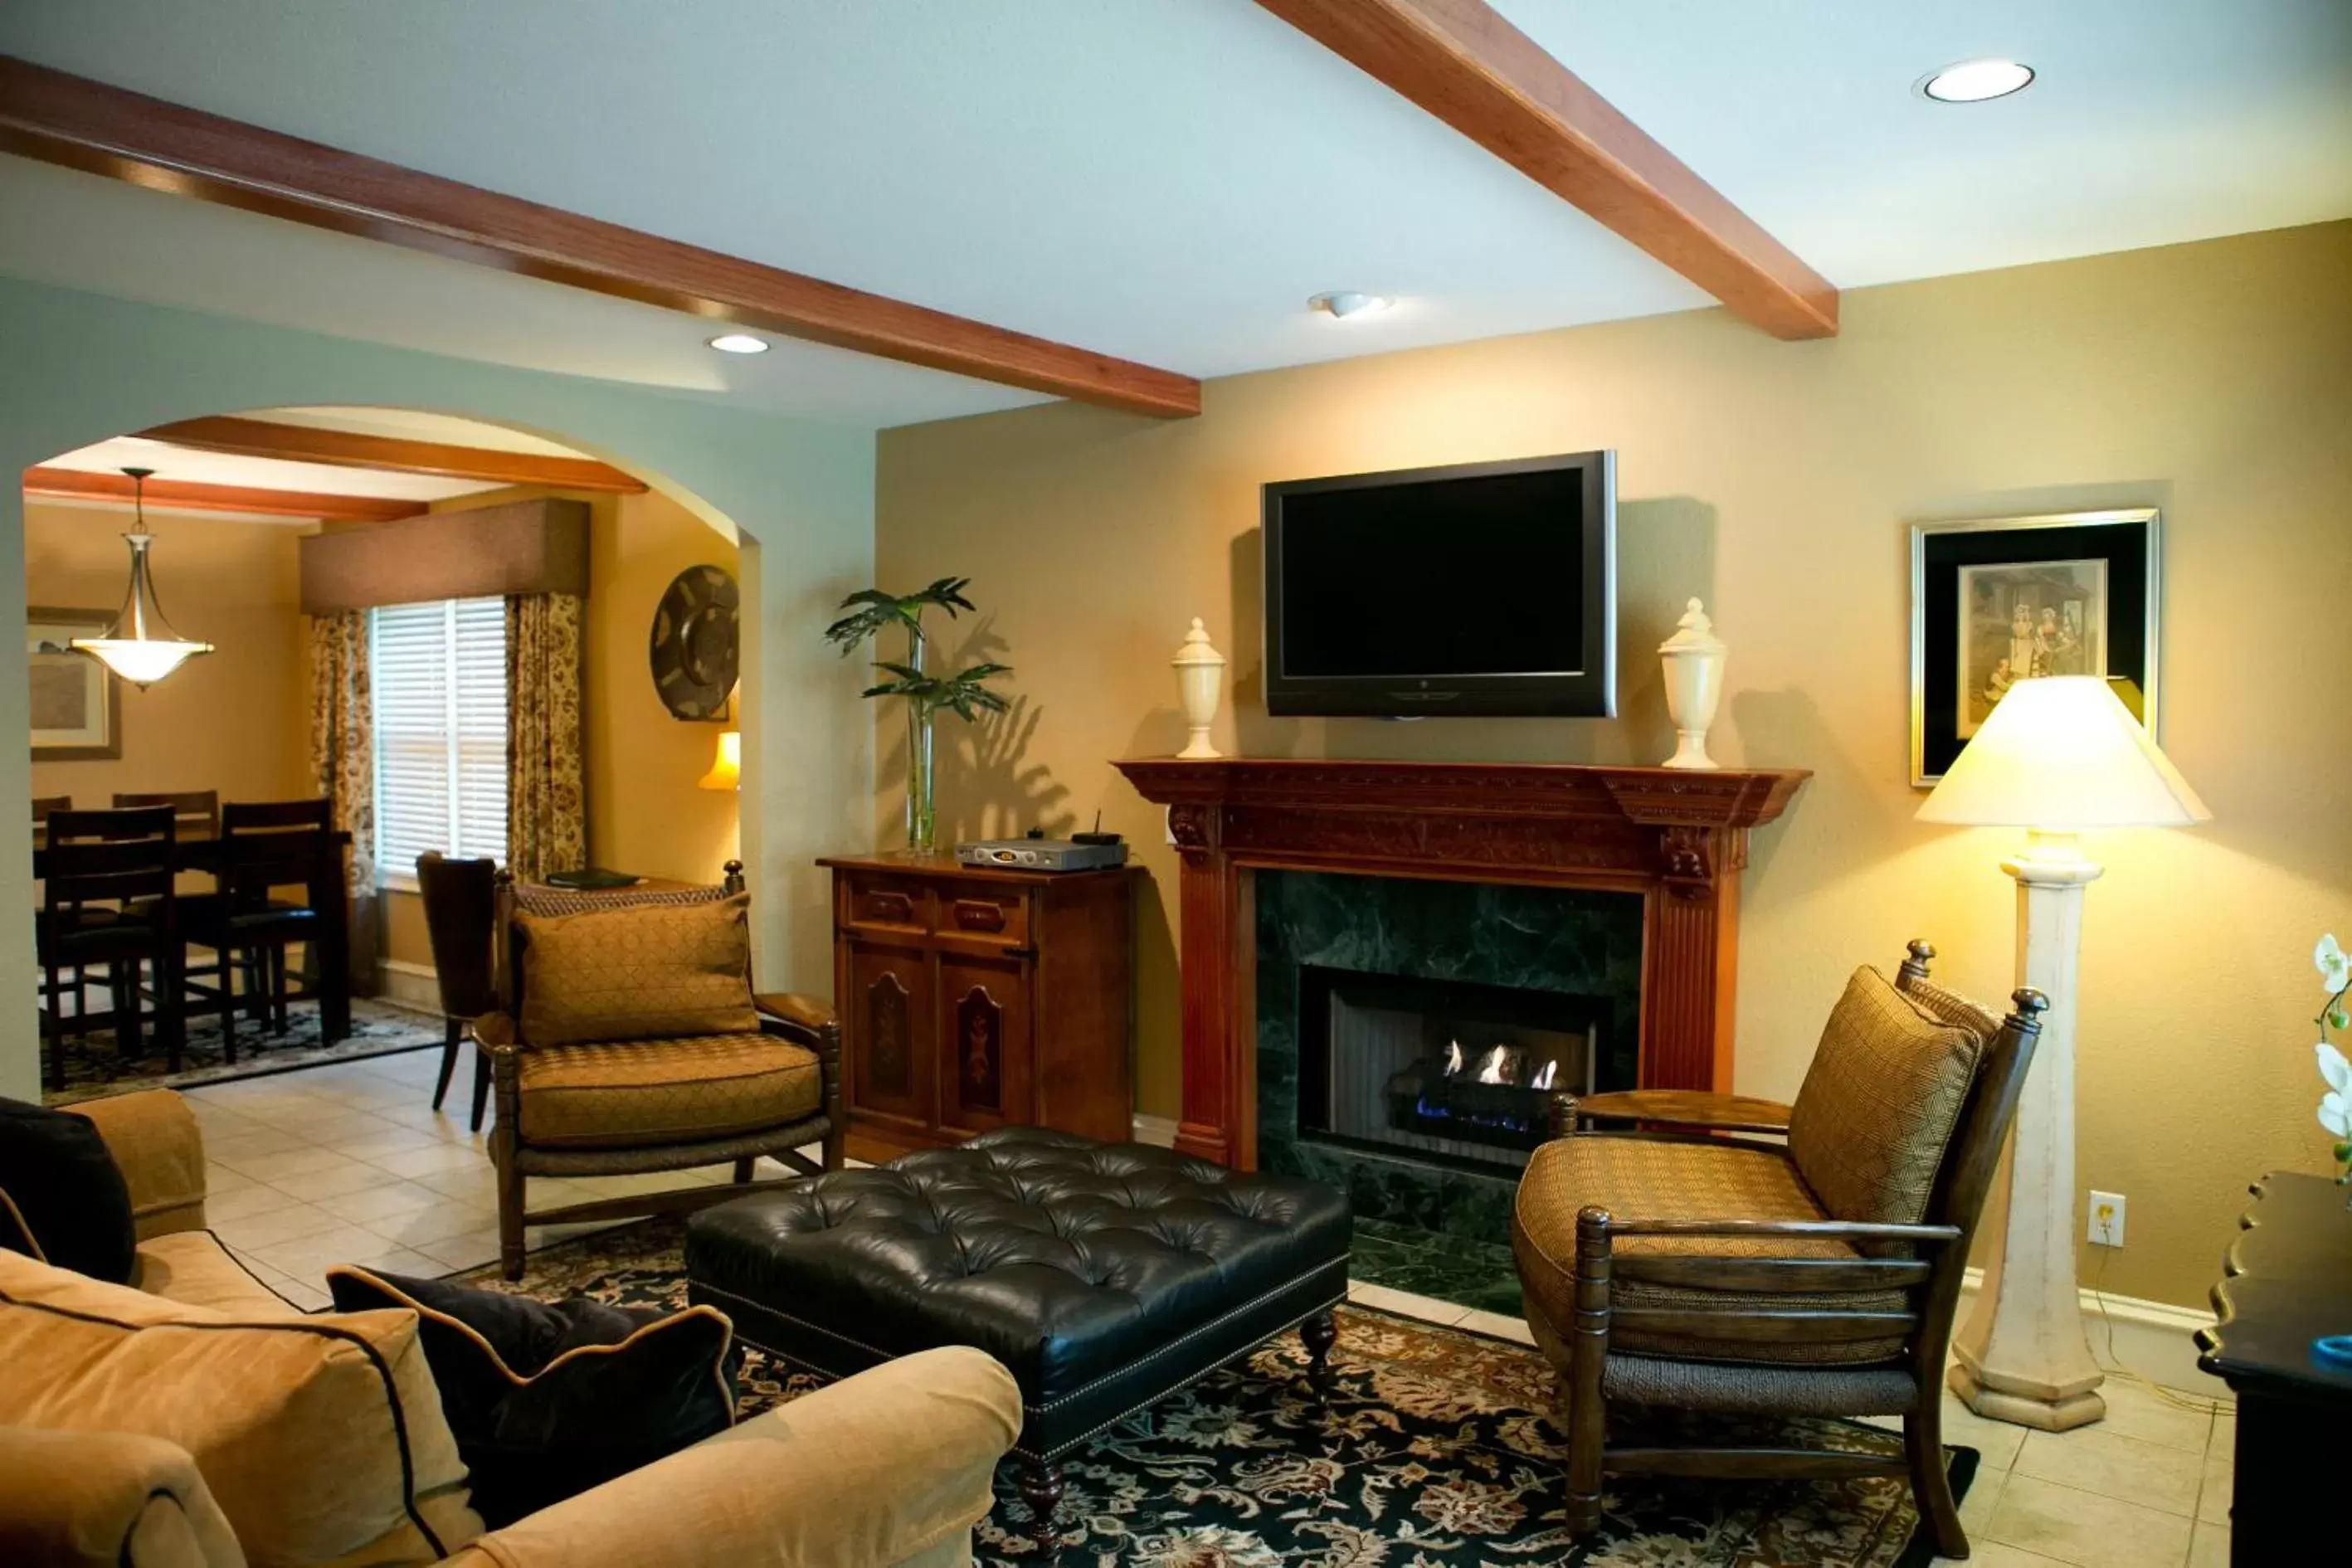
<point x="973" y="998"/>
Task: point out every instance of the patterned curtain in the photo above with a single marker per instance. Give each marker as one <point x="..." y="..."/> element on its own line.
<point x="547" y="813"/>
<point x="343" y="765"/>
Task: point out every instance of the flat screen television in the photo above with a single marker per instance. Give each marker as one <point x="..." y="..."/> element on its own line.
<point x="1485" y="589"/>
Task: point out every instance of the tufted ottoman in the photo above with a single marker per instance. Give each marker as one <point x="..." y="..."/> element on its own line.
<point x="1105" y="1276"/>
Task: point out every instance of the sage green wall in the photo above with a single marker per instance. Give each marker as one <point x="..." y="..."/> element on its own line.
<point x="76" y="368"/>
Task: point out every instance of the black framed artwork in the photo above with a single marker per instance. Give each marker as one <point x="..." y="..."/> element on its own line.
<point x="1998" y="600"/>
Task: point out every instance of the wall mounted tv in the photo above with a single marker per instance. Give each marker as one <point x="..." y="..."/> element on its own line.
<point x="1485" y="589"/>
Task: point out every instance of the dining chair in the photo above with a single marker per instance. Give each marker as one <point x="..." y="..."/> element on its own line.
<point x="264" y="846"/>
<point x="196" y="810"/>
<point x="47" y="805"/>
<point x="461" y="899"/>
<point x="108" y="898"/>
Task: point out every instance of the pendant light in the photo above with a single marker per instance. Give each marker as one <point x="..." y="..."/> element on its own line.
<point x="140" y="646"/>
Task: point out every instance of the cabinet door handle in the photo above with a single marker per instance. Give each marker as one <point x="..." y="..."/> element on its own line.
<point x="1021" y="953"/>
<point x="975" y="915"/>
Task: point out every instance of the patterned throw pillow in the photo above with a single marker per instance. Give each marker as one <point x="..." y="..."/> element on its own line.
<point x="1879" y="1104"/>
<point x="637" y="974"/>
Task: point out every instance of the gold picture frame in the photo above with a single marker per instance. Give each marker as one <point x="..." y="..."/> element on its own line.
<point x="76" y="702"/>
<point x="1999" y="599"/>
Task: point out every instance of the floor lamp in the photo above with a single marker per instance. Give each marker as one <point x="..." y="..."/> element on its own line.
<point x="2058" y="754"/>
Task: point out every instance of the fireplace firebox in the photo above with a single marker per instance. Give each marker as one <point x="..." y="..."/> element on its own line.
<point x="1437" y="1071"/>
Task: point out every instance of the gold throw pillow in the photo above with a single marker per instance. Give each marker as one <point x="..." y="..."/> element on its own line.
<point x="1879" y="1104"/>
<point x="321" y="1437"/>
<point x="638" y="974"/>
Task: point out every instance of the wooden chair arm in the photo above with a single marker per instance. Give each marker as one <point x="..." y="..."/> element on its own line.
<point x="1793" y="1229"/>
<point x="496" y="1032"/>
<point x="1672" y="1108"/>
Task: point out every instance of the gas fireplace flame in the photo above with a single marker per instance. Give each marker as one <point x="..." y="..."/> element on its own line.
<point x="1491" y="1064"/>
<point x="1454" y="1059"/>
<point x="1543" y="1079"/>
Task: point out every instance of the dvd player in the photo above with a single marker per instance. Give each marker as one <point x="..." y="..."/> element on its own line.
<point x="1041" y="854"/>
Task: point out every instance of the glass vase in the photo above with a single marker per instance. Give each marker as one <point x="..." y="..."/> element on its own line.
<point x="922" y="819"/>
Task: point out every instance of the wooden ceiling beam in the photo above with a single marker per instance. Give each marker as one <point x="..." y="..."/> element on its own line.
<point x="190" y="495"/>
<point x="349" y="449"/>
<point x="1464" y="63"/>
<point x="83" y="125"/>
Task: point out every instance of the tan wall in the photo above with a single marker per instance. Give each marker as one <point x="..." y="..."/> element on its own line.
<point x="1775" y="480"/>
<point x="645" y="812"/>
<point x="235" y="721"/>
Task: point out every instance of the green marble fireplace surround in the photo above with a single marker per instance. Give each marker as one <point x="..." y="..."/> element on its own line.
<point x="1432" y="1227"/>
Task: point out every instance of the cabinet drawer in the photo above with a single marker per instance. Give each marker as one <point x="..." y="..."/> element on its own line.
<point x="898" y="905"/>
<point x="984" y="915"/>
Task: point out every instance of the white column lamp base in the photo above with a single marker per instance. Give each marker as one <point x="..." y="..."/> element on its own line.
<point x="2023" y="1356"/>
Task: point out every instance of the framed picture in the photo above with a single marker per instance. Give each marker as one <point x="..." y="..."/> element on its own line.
<point x="1998" y="600"/>
<point x="76" y="701"/>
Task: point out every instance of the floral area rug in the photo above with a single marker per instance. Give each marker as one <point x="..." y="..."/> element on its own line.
<point x="95" y="1066"/>
<point x="1438" y="1451"/>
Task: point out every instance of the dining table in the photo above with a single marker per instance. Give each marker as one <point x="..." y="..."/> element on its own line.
<point x="328" y="891"/>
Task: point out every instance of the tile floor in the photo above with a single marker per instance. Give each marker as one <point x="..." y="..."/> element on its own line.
<point x="348" y="1163"/>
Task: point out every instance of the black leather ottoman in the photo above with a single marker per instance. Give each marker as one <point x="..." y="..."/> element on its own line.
<point x="1105" y="1276"/>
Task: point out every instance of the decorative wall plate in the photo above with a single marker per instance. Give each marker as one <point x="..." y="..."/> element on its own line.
<point x="696" y="646"/>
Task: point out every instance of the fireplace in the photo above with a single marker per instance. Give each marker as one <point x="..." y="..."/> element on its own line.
<point x="1440" y="1070"/>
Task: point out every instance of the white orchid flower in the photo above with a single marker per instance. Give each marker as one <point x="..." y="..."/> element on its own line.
<point x="2336" y="1106"/>
<point x="2335" y="965"/>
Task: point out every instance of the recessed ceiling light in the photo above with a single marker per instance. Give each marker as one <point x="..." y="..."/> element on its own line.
<point x="740" y="344"/>
<point x="1974" y="81"/>
<point x="1342" y="303"/>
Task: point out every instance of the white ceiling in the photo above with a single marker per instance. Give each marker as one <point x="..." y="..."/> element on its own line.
<point x="1164" y="180"/>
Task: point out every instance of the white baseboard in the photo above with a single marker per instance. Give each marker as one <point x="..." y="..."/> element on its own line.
<point x="2154" y="1339"/>
<point x="407" y="984"/>
<point x="2150" y="1339"/>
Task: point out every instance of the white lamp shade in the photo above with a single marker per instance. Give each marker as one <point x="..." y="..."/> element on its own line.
<point x="2063" y="753"/>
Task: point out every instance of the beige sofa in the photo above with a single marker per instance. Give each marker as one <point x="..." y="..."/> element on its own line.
<point x="892" y="1467"/>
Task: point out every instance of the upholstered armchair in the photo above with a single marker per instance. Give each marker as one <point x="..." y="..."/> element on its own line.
<point x="630" y="1041"/>
<point x="1686" y="1261"/>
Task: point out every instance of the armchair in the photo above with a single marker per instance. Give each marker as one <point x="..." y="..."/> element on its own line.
<point x="1685" y="1262"/>
<point x="629" y="1106"/>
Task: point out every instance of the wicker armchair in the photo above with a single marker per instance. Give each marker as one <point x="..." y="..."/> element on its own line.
<point x="632" y="1107"/>
<point x="1688" y="1264"/>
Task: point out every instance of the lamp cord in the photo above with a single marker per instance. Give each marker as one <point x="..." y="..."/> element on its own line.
<point x="2113" y="1363"/>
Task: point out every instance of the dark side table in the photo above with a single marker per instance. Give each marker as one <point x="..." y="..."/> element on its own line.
<point x="2285" y="1281"/>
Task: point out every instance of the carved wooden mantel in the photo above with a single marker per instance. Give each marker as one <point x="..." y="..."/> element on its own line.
<point x="1678" y="838"/>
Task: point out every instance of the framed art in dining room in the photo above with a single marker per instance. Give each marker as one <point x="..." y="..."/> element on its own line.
<point x="1998" y="600"/>
<point x="76" y="703"/>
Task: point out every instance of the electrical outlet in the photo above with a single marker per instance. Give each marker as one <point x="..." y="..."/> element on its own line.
<point x="2106" y="1227"/>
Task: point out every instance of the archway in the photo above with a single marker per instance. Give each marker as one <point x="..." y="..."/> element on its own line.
<point x="424" y="509"/>
<point x="83" y="368"/>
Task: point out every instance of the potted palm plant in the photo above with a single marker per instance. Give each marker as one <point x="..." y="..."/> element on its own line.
<point x="872" y="612"/>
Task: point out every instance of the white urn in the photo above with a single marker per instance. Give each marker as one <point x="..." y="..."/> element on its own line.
<point x="1200" y="683"/>
<point x="1694" y="659"/>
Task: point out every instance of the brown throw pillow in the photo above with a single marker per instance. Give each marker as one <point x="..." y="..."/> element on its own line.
<point x="1879" y="1103"/>
<point x="638" y="974"/>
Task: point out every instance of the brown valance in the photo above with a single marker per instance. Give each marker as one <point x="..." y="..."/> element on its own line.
<point x="520" y="547"/>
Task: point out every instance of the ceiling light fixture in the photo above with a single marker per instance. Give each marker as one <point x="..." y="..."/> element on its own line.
<point x="740" y="344"/>
<point x="1342" y="303"/>
<point x="140" y="646"/>
<point x="1974" y="81"/>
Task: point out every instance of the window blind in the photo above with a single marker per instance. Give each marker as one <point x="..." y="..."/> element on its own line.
<point x="438" y="675"/>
